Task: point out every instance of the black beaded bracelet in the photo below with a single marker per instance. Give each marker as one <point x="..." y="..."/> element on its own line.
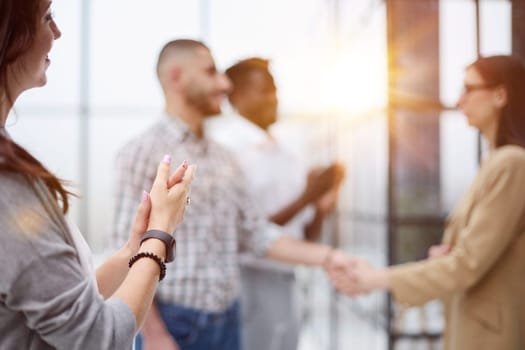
<point x="155" y="257"/>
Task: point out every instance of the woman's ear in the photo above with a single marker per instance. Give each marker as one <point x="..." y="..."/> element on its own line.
<point x="501" y="96"/>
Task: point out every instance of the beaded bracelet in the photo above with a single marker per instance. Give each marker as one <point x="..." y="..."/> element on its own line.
<point x="157" y="259"/>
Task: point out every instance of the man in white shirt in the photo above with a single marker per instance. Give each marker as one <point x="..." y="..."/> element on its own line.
<point x="285" y="193"/>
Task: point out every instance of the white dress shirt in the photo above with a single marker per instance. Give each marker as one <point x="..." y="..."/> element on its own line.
<point x="275" y="176"/>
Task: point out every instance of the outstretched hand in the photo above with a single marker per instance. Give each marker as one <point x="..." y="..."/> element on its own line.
<point x="357" y="277"/>
<point x="336" y="260"/>
<point x="337" y="264"/>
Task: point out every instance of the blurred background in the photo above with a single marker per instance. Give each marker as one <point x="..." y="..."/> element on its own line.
<point x="371" y="83"/>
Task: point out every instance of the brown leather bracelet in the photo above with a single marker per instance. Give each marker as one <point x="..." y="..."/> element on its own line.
<point x="166" y="238"/>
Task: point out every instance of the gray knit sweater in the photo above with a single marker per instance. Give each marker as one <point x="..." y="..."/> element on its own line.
<point x="46" y="300"/>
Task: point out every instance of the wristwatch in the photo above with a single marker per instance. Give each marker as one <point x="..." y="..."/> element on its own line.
<point x="168" y="240"/>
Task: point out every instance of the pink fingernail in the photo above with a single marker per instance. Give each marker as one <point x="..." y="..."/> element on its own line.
<point x="145" y="196"/>
<point x="185" y="164"/>
<point x="167" y="159"/>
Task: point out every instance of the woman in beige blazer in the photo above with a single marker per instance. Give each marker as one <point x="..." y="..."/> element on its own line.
<point x="479" y="270"/>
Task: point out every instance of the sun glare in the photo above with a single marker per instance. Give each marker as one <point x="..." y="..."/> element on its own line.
<point x="356" y="81"/>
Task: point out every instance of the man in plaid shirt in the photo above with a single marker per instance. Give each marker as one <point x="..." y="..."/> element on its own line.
<point x="196" y="306"/>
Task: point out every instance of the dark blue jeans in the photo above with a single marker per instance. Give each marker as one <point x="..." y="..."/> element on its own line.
<point x="197" y="330"/>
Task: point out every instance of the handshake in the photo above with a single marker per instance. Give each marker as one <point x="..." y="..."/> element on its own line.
<point x="354" y="276"/>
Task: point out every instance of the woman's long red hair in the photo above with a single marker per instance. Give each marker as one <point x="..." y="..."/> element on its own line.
<point x="18" y="20"/>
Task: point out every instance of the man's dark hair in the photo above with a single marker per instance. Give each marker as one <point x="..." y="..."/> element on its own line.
<point x="239" y="73"/>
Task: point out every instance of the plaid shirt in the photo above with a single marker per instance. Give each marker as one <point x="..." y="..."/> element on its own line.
<point x="221" y="220"/>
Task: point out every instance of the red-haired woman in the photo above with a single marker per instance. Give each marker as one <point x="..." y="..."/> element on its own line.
<point x="49" y="299"/>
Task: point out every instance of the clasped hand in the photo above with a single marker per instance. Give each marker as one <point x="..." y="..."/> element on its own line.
<point x="354" y="276"/>
<point x="163" y="207"/>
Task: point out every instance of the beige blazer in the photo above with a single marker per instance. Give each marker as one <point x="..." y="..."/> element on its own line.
<point x="482" y="280"/>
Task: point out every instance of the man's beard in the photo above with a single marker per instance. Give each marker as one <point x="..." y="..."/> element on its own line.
<point x="202" y="102"/>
